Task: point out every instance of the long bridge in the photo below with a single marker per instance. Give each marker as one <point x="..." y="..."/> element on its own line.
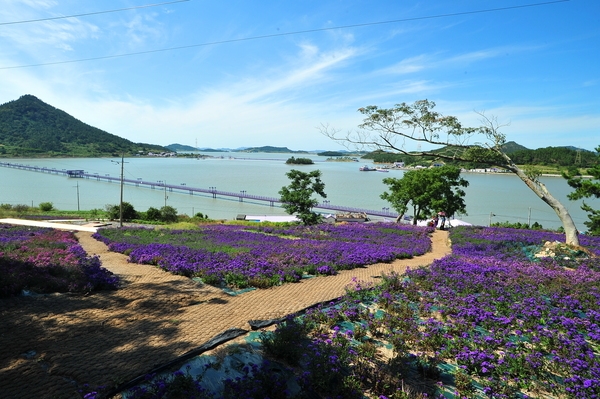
<point x="183" y="188"/>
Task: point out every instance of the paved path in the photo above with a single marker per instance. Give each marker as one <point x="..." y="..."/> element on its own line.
<point x="90" y="227"/>
<point x="51" y="344"/>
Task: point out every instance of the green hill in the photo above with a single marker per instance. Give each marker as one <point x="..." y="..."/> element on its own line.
<point x="181" y="147"/>
<point x="557" y="157"/>
<point x="29" y="127"/>
<point x="510" y="146"/>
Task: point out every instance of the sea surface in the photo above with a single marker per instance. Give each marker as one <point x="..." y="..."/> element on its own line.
<point x="489" y="197"/>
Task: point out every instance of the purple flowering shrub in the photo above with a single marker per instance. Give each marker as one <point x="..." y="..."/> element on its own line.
<point x="243" y="256"/>
<point x="45" y="260"/>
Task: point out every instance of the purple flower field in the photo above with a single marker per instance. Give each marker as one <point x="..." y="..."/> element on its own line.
<point x="40" y="260"/>
<point x="254" y="256"/>
<point x="510" y="321"/>
<point x="491" y="320"/>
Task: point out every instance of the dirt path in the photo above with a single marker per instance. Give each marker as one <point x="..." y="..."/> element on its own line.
<point x="49" y="345"/>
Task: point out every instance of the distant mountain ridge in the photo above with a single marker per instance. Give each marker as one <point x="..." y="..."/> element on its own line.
<point x="180" y="147"/>
<point x="30" y="127"/>
<point x="271" y="149"/>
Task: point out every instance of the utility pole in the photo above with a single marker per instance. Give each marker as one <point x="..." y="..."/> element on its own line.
<point x="77" y="196"/>
<point x="121" y="200"/>
<point x="166" y="193"/>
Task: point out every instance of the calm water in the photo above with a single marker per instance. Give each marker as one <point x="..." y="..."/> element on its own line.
<point x="504" y="196"/>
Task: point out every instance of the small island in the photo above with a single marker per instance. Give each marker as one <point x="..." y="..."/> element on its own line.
<point x="299" y="161"/>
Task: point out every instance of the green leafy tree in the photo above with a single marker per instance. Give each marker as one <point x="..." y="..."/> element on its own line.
<point x="129" y="212"/>
<point x="168" y="214"/>
<point x="390" y="130"/>
<point x="46" y="206"/>
<point x="427" y="191"/>
<point x="152" y="214"/>
<point x="587" y="188"/>
<point x="297" y="198"/>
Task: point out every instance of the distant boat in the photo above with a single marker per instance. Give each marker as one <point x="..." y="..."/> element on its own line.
<point x="382" y="170"/>
<point x="366" y="169"/>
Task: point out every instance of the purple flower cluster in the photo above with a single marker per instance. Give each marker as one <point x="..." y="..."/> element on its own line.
<point x="514" y="323"/>
<point x="44" y="260"/>
<point x="244" y="256"/>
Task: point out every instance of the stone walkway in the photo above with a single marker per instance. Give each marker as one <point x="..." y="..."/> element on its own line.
<point x="51" y="345"/>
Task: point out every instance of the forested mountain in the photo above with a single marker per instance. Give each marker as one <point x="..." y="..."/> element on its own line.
<point x="560" y="157"/>
<point x="30" y="127"/>
<point x="555" y="156"/>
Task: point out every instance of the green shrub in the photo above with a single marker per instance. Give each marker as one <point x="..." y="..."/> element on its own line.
<point x="46" y="206"/>
<point x="518" y="225"/>
<point x="152" y="214"/>
<point x="288" y="342"/>
<point x="129" y="212"/>
<point x="20" y="208"/>
<point x="168" y="214"/>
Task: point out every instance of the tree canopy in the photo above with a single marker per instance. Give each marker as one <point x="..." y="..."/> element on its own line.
<point x="297" y="197"/>
<point x="390" y="129"/>
<point x="114" y="211"/>
<point x="427" y="191"/>
<point x="587" y="188"/>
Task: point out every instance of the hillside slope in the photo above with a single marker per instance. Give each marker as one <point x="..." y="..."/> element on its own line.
<point x="30" y="127"/>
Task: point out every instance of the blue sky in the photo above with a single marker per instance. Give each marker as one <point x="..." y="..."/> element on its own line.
<point x="249" y="73"/>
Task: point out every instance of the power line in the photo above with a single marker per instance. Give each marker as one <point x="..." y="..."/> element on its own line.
<point x="90" y="13"/>
<point x="284" y="34"/>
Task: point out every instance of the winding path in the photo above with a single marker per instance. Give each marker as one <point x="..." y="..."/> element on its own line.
<point x="50" y="344"/>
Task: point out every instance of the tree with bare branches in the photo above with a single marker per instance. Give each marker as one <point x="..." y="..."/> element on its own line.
<point x="390" y="130"/>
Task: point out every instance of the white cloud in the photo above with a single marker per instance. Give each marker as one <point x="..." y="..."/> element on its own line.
<point x="247" y="108"/>
<point x="410" y="65"/>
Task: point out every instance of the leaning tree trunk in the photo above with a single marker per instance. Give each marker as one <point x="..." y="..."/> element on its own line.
<point x="571" y="236"/>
